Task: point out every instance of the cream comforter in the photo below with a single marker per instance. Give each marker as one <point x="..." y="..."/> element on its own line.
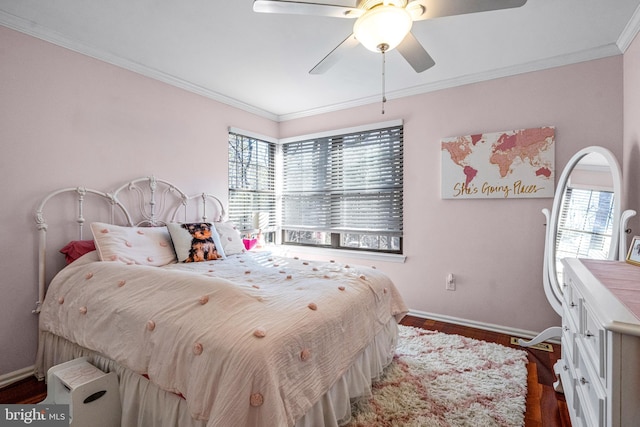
<point x="248" y="341"/>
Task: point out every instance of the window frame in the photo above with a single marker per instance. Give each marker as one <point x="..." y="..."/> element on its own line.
<point x="336" y="246"/>
<point x="335" y="239"/>
<point x="261" y="193"/>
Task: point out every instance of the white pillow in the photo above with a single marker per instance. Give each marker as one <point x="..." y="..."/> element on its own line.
<point x="230" y="238"/>
<point x="196" y="241"/>
<point x="133" y="245"/>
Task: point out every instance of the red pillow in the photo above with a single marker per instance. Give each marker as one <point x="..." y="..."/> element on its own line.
<point x="76" y="248"/>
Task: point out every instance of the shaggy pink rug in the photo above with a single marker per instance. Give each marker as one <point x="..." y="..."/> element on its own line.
<point x="442" y="380"/>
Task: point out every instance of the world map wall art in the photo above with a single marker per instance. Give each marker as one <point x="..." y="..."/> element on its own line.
<point x="505" y="165"/>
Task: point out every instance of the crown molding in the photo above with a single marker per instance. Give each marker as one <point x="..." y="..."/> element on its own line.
<point x="40" y="32"/>
<point x="30" y="28"/>
<point x="630" y="31"/>
<point x="558" y="61"/>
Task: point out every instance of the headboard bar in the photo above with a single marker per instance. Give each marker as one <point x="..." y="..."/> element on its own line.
<point x="42" y="226"/>
<point x="152" y="198"/>
<point x="151" y="202"/>
<point x="204" y="198"/>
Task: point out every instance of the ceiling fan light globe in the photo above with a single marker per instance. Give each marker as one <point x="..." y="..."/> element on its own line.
<point x="383" y="25"/>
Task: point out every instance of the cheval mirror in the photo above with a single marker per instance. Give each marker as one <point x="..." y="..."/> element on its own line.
<point x="586" y="221"/>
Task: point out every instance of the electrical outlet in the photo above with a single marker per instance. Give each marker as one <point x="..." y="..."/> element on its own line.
<point x="450" y="283"/>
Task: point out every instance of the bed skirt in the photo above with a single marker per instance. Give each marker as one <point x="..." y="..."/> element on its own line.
<point x="146" y="405"/>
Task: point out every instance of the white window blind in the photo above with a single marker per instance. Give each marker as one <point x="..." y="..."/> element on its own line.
<point x="251" y="182"/>
<point x="351" y="183"/>
<point x="585" y="226"/>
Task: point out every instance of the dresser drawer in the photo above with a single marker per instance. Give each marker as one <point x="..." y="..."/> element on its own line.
<point x="567" y="280"/>
<point x="572" y="301"/>
<point x="594" y="338"/>
<point x="569" y="332"/>
<point x="565" y="370"/>
<point x="600" y="370"/>
<point x="589" y="391"/>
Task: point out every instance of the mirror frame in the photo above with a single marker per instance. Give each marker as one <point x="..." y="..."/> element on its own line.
<point x="552" y="287"/>
<point x="617" y="248"/>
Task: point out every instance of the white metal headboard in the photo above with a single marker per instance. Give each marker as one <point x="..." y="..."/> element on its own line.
<point x="143" y="202"/>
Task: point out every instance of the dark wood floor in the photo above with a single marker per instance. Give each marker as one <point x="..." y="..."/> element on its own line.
<point x="28" y="391"/>
<point x="545" y="407"/>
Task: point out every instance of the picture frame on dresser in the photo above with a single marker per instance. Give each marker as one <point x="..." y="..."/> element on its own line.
<point x="633" y="256"/>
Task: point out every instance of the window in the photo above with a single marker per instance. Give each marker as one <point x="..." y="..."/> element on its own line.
<point x="252" y="201"/>
<point x="585" y="226"/>
<point x="344" y="191"/>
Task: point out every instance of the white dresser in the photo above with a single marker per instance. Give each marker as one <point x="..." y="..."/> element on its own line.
<point x="600" y="366"/>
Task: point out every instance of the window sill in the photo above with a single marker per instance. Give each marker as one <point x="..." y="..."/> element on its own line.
<point x="286" y="250"/>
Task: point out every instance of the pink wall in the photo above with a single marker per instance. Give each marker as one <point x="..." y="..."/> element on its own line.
<point x="493" y="247"/>
<point x="632" y="131"/>
<point x="66" y="120"/>
<point x="69" y="120"/>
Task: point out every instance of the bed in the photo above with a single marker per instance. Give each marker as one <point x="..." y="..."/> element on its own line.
<point x="200" y="331"/>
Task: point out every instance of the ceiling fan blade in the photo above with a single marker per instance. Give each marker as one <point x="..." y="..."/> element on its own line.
<point x="301" y="8"/>
<point x="440" y="8"/>
<point x="415" y="54"/>
<point x="335" y="55"/>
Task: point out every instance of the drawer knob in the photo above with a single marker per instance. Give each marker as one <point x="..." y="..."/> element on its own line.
<point x="583" y="380"/>
<point x="573" y="304"/>
<point x="589" y="334"/>
<point x="566" y="328"/>
<point x="565" y="367"/>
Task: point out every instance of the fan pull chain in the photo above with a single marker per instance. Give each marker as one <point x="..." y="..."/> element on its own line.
<point x="383" y="48"/>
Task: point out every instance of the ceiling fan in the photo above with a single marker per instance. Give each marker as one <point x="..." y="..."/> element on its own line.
<point x="382" y="25"/>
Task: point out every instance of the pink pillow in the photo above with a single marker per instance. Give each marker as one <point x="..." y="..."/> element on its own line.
<point x="249" y="243"/>
<point x="76" y="248"/>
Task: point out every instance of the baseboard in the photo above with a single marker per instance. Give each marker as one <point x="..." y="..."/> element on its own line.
<point x="12" y="377"/>
<point x="521" y="333"/>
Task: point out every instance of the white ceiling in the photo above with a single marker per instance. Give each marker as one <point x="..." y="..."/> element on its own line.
<point x="260" y="62"/>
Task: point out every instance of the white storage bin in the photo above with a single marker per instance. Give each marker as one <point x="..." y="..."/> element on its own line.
<point x="92" y="395"/>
